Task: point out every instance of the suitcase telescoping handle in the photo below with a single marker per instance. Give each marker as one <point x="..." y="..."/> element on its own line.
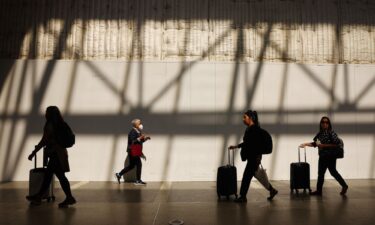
<point x="35" y="161"/>
<point x="44" y="159"/>
<point x="230" y="150"/>
<point x="299" y="157"/>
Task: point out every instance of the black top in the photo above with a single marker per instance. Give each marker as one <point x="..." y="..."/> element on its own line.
<point x="132" y="138"/>
<point x="250" y="147"/>
<point x="326" y="137"/>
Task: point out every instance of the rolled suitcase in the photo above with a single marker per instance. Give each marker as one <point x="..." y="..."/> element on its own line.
<point x="227" y="179"/>
<point x="300" y="174"/>
<point x="36" y="178"/>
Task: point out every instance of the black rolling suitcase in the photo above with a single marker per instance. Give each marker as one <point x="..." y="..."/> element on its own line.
<point x="36" y="178"/>
<point x="227" y="179"/>
<point x="300" y="175"/>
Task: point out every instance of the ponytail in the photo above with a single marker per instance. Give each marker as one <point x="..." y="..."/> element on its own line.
<point x="254" y="117"/>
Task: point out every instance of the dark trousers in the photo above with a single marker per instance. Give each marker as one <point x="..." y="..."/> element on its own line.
<point x="54" y="167"/>
<point x="330" y="164"/>
<point x="134" y="161"/>
<point x="251" y="166"/>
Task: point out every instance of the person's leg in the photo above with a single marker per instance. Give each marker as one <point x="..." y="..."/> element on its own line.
<point x="322" y="167"/>
<point x="132" y="163"/>
<point x="248" y="174"/>
<point x="272" y="191"/>
<point x="332" y="169"/>
<point x="65" y="185"/>
<point x="64" y="182"/>
<point x="261" y="175"/>
<point x="138" y="163"/>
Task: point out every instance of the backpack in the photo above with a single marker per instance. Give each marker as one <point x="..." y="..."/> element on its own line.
<point x="265" y="144"/>
<point x="336" y="152"/>
<point x="65" y="136"/>
<point x="339" y="152"/>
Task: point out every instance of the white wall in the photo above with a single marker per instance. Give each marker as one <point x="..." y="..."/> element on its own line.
<point x="191" y="110"/>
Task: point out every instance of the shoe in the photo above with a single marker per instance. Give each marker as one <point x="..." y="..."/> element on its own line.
<point x="68" y="201"/>
<point x="118" y="177"/>
<point x="273" y="192"/>
<point x="241" y="199"/>
<point x="139" y="182"/>
<point x="344" y="190"/>
<point x="316" y="193"/>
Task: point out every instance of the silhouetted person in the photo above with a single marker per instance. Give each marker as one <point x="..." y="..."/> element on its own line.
<point x="58" y="163"/>
<point x="135" y="137"/>
<point x="325" y="140"/>
<point x="250" y="153"/>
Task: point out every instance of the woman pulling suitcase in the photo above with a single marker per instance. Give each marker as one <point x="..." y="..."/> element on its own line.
<point x="58" y="163"/>
<point x="326" y="140"/>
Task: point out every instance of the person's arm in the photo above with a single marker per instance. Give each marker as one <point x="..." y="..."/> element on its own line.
<point x="143" y="156"/>
<point x="326" y="145"/>
<point x="134" y="137"/>
<point x="242" y="144"/>
<point x="39" y="146"/>
<point x="235" y="146"/>
<point x="308" y="144"/>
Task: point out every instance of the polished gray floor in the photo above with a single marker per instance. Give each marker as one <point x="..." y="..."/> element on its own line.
<point x="193" y="202"/>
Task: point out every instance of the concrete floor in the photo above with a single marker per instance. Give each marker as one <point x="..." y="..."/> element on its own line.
<point x="196" y="203"/>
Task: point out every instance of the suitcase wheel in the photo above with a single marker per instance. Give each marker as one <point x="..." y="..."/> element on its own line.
<point x="51" y="199"/>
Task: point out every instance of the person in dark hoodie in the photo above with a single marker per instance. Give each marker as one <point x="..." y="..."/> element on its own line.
<point x="250" y="152"/>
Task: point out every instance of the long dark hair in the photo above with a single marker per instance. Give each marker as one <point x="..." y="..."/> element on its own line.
<point x="329" y="123"/>
<point x="254" y="117"/>
<point x="53" y="115"/>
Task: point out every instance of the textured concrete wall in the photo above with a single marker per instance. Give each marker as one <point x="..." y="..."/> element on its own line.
<point x="306" y="31"/>
<point x="192" y="111"/>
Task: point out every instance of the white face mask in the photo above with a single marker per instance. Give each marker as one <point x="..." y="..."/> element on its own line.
<point x="140" y="127"/>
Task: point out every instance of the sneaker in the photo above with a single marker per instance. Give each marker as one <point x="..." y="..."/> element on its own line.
<point x="316" y="193"/>
<point x="273" y="192"/>
<point x="118" y="177"/>
<point x="241" y="199"/>
<point x="344" y="190"/>
<point x="139" y="182"/>
<point x="68" y="201"/>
